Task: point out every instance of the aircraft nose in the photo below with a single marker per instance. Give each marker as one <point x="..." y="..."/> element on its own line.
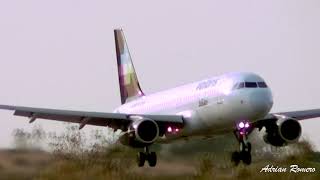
<point x="261" y="101"/>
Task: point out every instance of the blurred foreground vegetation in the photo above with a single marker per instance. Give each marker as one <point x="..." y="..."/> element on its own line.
<point x="73" y="155"/>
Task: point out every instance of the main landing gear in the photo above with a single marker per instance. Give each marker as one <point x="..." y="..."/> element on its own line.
<point x="151" y="157"/>
<point x="244" y="154"/>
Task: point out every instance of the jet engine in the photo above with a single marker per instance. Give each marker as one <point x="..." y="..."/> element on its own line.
<point x="282" y="132"/>
<point x="141" y="132"/>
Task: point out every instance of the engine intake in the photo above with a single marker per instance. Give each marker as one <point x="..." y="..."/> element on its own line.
<point x="141" y="132"/>
<point x="145" y="130"/>
<point x="289" y="130"/>
<point x="282" y="132"/>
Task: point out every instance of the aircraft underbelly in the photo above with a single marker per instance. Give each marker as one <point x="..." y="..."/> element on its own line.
<point x="214" y="116"/>
<point x="223" y="115"/>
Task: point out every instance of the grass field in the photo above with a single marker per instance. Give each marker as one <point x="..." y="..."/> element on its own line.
<point x="69" y="160"/>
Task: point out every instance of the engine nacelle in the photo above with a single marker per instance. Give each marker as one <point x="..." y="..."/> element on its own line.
<point x="145" y="130"/>
<point x="283" y="132"/>
<point x="289" y="130"/>
<point x="141" y="132"/>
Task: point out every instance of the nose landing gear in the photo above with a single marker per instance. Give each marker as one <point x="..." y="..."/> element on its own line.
<point x="151" y="157"/>
<point x="244" y="154"/>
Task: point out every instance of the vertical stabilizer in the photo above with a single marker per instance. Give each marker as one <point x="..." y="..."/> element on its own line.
<point x="128" y="81"/>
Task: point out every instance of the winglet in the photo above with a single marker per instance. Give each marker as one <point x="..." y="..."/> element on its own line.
<point x="128" y="81"/>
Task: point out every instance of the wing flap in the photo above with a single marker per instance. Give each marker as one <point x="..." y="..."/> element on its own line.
<point x="113" y="120"/>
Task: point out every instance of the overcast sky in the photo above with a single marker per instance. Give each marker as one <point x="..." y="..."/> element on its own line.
<point x="60" y="54"/>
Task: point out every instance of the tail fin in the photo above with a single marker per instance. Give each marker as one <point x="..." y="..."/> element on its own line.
<point x="128" y="81"/>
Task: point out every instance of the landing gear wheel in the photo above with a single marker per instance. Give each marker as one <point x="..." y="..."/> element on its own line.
<point x="141" y="158"/>
<point x="235" y="158"/>
<point x="246" y="157"/>
<point x="152" y="159"/>
<point x="249" y="147"/>
<point x="244" y="153"/>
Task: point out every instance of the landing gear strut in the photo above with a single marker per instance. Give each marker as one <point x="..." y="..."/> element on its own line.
<point x="151" y="157"/>
<point x="244" y="154"/>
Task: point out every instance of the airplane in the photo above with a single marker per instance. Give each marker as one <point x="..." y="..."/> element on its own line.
<point x="237" y="102"/>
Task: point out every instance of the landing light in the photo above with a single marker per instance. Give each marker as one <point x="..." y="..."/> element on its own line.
<point x="241" y="125"/>
<point x="172" y="130"/>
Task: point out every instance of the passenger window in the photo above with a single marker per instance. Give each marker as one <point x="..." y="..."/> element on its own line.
<point x="262" y="85"/>
<point x="251" y="84"/>
<point x="241" y="85"/>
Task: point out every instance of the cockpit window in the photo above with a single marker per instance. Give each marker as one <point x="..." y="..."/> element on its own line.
<point x="241" y="85"/>
<point x="250" y="84"/>
<point x="262" y="85"/>
<point x="235" y="86"/>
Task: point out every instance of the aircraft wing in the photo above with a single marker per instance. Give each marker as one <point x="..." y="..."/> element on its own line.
<point x="113" y="120"/>
<point x="302" y="115"/>
<point x="298" y="115"/>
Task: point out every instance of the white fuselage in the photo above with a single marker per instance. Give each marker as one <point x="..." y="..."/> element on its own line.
<point x="210" y="106"/>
